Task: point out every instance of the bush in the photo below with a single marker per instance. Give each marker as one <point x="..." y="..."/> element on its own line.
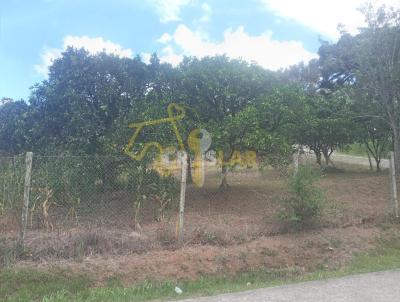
<point x="12" y="171"/>
<point x="303" y="208"/>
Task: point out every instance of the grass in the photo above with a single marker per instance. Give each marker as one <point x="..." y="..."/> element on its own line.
<point x="354" y="149"/>
<point x="32" y="285"/>
<point x="358" y="150"/>
<point x="60" y="286"/>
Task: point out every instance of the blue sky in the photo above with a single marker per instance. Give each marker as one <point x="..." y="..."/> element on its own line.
<point x="273" y="33"/>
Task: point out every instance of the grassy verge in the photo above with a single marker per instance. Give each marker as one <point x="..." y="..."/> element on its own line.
<point x="29" y="285"/>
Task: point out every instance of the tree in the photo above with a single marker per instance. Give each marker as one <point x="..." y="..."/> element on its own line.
<point x="12" y="126"/>
<point x="370" y="62"/>
<point x="378" y="68"/>
<point x="324" y="125"/>
<point x="323" y="122"/>
<point x="277" y="118"/>
<point x="75" y="108"/>
<point x="370" y="130"/>
<point x="221" y="92"/>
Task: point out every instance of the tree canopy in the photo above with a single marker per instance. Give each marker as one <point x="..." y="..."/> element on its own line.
<point x="350" y="94"/>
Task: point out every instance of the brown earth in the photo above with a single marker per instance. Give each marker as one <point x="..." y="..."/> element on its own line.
<point x="327" y="248"/>
<point x="226" y="232"/>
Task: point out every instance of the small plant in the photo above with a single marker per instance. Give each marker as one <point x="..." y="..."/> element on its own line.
<point x="150" y="186"/>
<point x="165" y="192"/>
<point x="303" y="208"/>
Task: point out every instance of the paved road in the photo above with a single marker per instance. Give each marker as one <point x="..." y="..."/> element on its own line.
<point x="372" y="287"/>
<point x="359" y="160"/>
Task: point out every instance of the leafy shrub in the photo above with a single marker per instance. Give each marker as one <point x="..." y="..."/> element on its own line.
<point x="164" y="192"/>
<point x="151" y="186"/>
<point x="303" y="208"/>
<point x="12" y="171"/>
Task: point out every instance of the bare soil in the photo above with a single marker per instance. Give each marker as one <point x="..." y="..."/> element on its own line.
<point x="226" y="232"/>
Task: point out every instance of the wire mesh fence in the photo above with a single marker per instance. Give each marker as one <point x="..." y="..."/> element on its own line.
<point x="81" y="206"/>
<point x="78" y="201"/>
<point x="11" y="186"/>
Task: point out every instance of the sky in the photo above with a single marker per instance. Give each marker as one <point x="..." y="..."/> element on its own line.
<point x="272" y="33"/>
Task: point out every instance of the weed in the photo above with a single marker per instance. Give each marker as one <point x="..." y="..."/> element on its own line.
<point x="303" y="208"/>
<point x="10" y="252"/>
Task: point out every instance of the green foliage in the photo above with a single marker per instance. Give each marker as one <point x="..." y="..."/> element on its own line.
<point x="13" y="127"/>
<point x="369" y="63"/>
<point x="11" y="182"/>
<point x="74" y="110"/>
<point x="323" y="124"/>
<point x="149" y="186"/>
<point x="228" y="96"/>
<point x="358" y="149"/>
<point x="303" y="208"/>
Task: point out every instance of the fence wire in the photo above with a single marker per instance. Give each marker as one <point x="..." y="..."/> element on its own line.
<point x="11" y="183"/>
<point x="82" y="206"/>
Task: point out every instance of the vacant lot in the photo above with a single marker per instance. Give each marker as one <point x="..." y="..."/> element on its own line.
<point x="226" y="231"/>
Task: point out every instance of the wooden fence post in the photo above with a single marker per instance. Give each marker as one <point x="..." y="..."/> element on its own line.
<point x="183" y="194"/>
<point x="393" y="184"/>
<point x="27" y="190"/>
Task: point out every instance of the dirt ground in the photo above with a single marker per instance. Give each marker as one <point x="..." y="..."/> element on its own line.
<point x="226" y="231"/>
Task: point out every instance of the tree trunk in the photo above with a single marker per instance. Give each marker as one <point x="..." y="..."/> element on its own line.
<point x="369" y="160"/>
<point x="189" y="171"/>
<point x="319" y="158"/>
<point x="378" y="164"/>
<point x="224" y="182"/>
<point x="327" y="152"/>
<point x="326" y="157"/>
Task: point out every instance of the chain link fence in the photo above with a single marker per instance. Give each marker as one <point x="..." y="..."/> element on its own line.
<point x="11" y="189"/>
<point x="81" y="206"/>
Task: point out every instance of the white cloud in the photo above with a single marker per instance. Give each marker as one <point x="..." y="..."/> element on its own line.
<point x="262" y="49"/>
<point x="47" y="58"/>
<point x="165" y="38"/>
<point x="323" y="16"/>
<point x="92" y="45"/>
<point x="169" y="56"/>
<point x="207" y="10"/>
<point x="97" y="45"/>
<point x="169" y="10"/>
<point x="145" y="56"/>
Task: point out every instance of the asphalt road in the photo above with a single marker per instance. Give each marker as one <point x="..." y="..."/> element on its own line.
<point x="372" y="287"/>
<point x="358" y="160"/>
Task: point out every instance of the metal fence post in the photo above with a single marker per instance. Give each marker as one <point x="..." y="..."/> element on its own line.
<point x="27" y="190"/>
<point x="393" y="184"/>
<point x="184" y="166"/>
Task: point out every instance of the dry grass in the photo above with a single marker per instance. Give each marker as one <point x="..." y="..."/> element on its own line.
<point x="225" y="231"/>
